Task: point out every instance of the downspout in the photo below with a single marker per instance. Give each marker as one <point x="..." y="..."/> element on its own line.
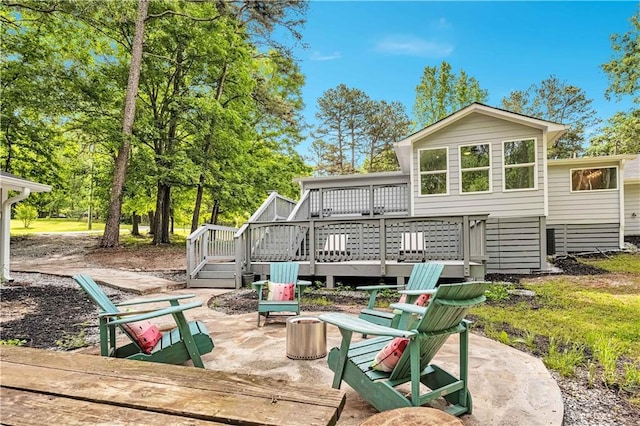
<point x="4" y="232"/>
<point x="621" y="205"/>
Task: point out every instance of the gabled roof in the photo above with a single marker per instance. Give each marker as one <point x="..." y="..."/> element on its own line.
<point x="15" y="183"/>
<point x="403" y="147"/>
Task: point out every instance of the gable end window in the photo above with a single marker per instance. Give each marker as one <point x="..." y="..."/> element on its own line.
<point x="519" y="162"/>
<point x="598" y="179"/>
<point x="475" y="168"/>
<point x="433" y="163"/>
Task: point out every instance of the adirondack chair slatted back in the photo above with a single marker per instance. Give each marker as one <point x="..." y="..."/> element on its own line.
<point x="444" y="313"/>
<point x="283" y="272"/>
<point x="96" y="293"/>
<point x="424" y="276"/>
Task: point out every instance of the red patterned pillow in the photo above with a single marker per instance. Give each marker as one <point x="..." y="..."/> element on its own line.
<point x="281" y="292"/>
<point x="389" y="356"/>
<point x="145" y="333"/>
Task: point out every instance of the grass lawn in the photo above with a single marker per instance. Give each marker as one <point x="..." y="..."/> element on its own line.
<point x="57" y="225"/>
<point x="572" y="322"/>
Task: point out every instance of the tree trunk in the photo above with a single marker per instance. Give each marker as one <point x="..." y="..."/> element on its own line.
<point x="195" y="219"/>
<point x="214" y="212"/>
<point x="152" y="222"/>
<point x="111" y="235"/>
<point x="135" y="230"/>
<point x="163" y="213"/>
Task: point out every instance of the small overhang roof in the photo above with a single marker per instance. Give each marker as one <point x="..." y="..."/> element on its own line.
<point x="403" y="147"/>
<point x="365" y="177"/>
<point x="591" y="160"/>
<point x="15" y="183"/>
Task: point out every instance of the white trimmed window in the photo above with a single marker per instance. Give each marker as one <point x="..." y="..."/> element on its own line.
<point x="598" y="179"/>
<point x="433" y="163"/>
<point x="519" y="164"/>
<point x="475" y="168"/>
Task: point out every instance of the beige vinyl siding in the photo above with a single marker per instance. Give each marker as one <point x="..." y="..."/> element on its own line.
<point x="580" y="207"/>
<point x="480" y="129"/>
<point x="513" y="245"/>
<point x="631" y="207"/>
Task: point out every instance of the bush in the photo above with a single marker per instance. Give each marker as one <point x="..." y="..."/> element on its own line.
<point x="26" y="214"/>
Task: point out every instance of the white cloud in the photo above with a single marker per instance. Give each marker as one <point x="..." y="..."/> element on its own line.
<point x="443" y="23"/>
<point x="317" y="56"/>
<point x="413" y="46"/>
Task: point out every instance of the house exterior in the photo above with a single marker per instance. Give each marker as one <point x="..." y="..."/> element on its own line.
<point x="631" y="197"/>
<point x="475" y="191"/>
<point x="590" y="203"/>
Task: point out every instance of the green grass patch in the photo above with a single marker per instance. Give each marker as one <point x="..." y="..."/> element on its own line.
<point x="588" y="321"/>
<point x="57" y="225"/>
<point x="628" y="263"/>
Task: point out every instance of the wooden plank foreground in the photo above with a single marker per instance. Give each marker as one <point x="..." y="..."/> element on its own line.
<point x="43" y="387"/>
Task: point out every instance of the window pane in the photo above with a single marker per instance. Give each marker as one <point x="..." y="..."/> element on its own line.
<point x="592" y="179"/>
<point x="519" y="152"/>
<point x="432" y="160"/>
<point x="474" y="156"/>
<point x="519" y="178"/>
<point x="475" y="181"/>
<point x="433" y="184"/>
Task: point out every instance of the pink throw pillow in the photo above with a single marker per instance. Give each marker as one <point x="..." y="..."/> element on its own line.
<point x="145" y="333"/>
<point x="420" y="301"/>
<point x="280" y="292"/>
<point x="389" y="356"/>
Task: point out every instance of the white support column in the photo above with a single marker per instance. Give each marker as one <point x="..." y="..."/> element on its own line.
<point x="5" y="226"/>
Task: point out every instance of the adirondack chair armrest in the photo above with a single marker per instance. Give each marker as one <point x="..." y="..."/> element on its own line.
<point x="157" y="313"/>
<point x="304" y="282"/>
<point x="418" y="292"/>
<point x="157" y="299"/>
<point x="409" y="308"/>
<point x="357" y="325"/>
<point x="378" y="287"/>
<point x="373" y="292"/>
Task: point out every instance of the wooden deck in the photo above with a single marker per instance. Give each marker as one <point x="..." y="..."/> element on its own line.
<point x="51" y="387"/>
<point x="453" y="269"/>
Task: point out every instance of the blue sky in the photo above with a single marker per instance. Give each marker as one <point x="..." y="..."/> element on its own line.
<point x="382" y="47"/>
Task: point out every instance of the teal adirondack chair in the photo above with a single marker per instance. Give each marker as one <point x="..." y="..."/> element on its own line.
<point x="283" y="273"/>
<point x="443" y="316"/>
<point x="424" y="276"/>
<point x="189" y="340"/>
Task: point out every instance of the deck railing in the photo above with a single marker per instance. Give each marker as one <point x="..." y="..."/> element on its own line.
<point x="381" y="239"/>
<point x="210" y="242"/>
<point x="369" y="200"/>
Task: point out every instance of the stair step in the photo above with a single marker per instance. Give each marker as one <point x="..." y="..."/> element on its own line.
<point x="219" y="267"/>
<point x="216" y="274"/>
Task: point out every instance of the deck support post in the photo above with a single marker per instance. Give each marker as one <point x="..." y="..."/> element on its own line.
<point x="312" y="246"/>
<point x="383" y="248"/>
<point x="466" y="245"/>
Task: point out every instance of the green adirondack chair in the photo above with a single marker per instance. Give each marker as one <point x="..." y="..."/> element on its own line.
<point x="189" y="340"/>
<point x="443" y="316"/>
<point x="424" y="276"/>
<point x="281" y="273"/>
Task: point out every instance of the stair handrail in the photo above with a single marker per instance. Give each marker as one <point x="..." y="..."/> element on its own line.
<point x="198" y="245"/>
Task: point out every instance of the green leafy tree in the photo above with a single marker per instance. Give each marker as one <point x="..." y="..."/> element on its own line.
<point x="557" y="101"/>
<point x="341" y="112"/>
<point x="624" y="69"/>
<point x="620" y="136"/>
<point x="441" y="93"/>
<point x="384" y="124"/>
<point x="26" y="213"/>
